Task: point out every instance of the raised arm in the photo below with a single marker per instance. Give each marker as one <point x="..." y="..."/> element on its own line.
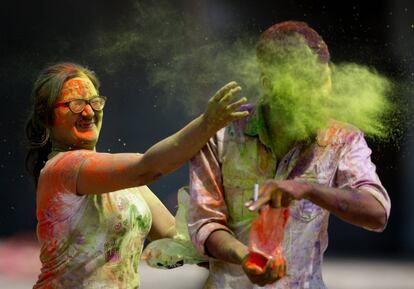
<point x="101" y="173"/>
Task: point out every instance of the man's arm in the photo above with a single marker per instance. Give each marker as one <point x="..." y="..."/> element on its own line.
<point x="355" y="206"/>
<point x="358" y="198"/>
<point x="208" y="211"/>
<point x="224" y="246"/>
<point x="208" y="216"/>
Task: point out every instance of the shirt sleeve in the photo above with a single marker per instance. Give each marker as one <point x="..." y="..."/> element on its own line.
<point x="208" y="211"/>
<point x="356" y="171"/>
<point x="62" y="174"/>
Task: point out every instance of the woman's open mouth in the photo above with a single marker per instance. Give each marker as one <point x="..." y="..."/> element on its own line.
<point x="86" y="124"/>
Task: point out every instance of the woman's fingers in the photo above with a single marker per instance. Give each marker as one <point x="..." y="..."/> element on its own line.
<point x="239" y="114"/>
<point x="224" y="90"/>
<point x="235" y="105"/>
<point x="229" y="95"/>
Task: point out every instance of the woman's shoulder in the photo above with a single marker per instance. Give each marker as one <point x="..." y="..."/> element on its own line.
<point x="63" y="160"/>
<point x="61" y="171"/>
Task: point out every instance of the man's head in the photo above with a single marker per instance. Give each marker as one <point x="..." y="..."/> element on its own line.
<point x="286" y="34"/>
<point x="298" y="93"/>
<point x="293" y="49"/>
<point x="294" y="65"/>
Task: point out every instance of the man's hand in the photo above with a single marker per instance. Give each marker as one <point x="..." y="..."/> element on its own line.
<point x="268" y="272"/>
<point x="280" y="193"/>
<point x="355" y="206"/>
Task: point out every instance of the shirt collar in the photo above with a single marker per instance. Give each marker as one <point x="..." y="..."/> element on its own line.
<point x="257" y="126"/>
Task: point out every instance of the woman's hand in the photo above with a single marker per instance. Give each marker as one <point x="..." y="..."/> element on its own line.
<point x="221" y="110"/>
<point x="280" y="193"/>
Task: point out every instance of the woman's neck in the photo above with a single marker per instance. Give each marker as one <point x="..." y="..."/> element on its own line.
<point x="59" y="148"/>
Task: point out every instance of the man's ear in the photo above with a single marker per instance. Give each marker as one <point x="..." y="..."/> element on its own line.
<point x="266" y="83"/>
<point x="327" y="80"/>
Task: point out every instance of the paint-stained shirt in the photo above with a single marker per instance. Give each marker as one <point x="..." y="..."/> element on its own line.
<point x="222" y="178"/>
<point x="87" y="241"/>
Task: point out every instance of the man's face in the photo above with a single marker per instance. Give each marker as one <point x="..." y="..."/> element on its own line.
<point x="291" y="80"/>
<point x="296" y="97"/>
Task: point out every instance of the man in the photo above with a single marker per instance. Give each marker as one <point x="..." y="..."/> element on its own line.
<point x="291" y="147"/>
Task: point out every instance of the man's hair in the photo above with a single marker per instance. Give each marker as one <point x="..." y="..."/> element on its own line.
<point x="282" y="33"/>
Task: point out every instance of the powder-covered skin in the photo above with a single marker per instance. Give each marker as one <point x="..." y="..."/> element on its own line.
<point x="89" y="241"/>
<point x="77" y="88"/>
<point x="222" y="178"/>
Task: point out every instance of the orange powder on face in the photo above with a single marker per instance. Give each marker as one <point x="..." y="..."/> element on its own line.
<point x="77" y="88"/>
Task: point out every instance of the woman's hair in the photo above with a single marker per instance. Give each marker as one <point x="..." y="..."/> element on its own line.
<point x="46" y="91"/>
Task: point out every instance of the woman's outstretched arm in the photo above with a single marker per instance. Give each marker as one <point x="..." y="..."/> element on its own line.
<point x="101" y="173"/>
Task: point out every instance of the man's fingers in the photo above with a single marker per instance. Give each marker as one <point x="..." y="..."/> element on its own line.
<point x="282" y="270"/>
<point x="248" y="203"/>
<point x="252" y="270"/>
<point x="265" y="196"/>
<point x="276" y="201"/>
<point x="262" y="200"/>
<point x="271" y="273"/>
<point x="286" y="199"/>
<point x="224" y="90"/>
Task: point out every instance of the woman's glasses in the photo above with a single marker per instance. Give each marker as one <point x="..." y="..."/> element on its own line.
<point x="78" y="105"/>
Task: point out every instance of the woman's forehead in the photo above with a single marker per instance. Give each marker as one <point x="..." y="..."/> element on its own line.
<point x="78" y="87"/>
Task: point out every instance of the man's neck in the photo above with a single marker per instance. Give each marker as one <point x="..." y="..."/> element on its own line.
<point x="280" y="144"/>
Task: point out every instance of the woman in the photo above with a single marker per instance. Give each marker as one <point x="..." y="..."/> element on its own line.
<point x="93" y="209"/>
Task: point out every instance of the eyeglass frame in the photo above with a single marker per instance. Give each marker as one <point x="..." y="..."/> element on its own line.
<point x="86" y="101"/>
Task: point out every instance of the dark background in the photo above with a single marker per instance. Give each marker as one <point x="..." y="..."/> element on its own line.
<point x="378" y="33"/>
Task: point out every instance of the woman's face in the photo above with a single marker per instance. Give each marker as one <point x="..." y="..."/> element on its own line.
<point x="76" y="130"/>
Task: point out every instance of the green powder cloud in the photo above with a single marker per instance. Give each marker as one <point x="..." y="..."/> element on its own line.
<point x="304" y="95"/>
<point x="186" y="61"/>
<point x="189" y="63"/>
